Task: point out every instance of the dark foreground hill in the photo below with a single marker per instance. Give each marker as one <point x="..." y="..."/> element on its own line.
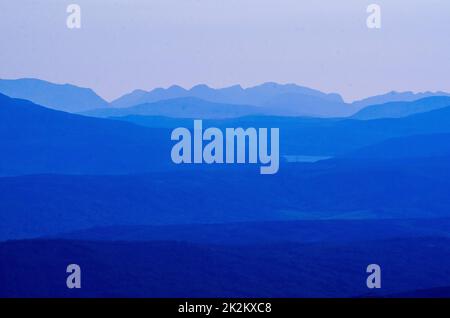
<point x="271" y="98"/>
<point x="417" y="146"/>
<point x="37" y="268"/>
<point x="188" y="107"/>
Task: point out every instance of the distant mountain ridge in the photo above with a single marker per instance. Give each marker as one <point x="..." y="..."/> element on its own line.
<point x="193" y="107"/>
<point x="395" y="97"/>
<point x="403" y="109"/>
<point x="277" y="99"/>
<point x="202" y="101"/>
<point x="187" y="107"/>
<point x="271" y="98"/>
<point x="65" y="97"/>
<point x="257" y="95"/>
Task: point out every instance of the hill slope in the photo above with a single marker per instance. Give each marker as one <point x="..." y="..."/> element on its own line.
<point x="256" y="95"/>
<point x="65" y="97"/>
<point x="327" y="190"/>
<point x="277" y="99"/>
<point x="402" y="109"/>
<point x="417" y="146"/>
<point x="35" y="139"/>
<point x="177" y="269"/>
<point x="320" y="136"/>
<point x="395" y="97"/>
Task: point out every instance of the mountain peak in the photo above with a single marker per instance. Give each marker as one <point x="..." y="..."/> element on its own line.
<point x="176" y="88"/>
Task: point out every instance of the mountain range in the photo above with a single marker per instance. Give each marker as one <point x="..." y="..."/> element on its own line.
<point x="187" y="107"/>
<point x="35" y="139"/>
<point x="268" y="98"/>
<point x="202" y="101"/>
<point x="403" y="108"/>
<point x="290" y="105"/>
<point x="257" y="95"/>
<point x="103" y="192"/>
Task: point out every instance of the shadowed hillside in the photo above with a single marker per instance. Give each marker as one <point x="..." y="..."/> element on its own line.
<point x="34" y="139"/>
<point x="177" y="269"/>
<point x="289" y="99"/>
<point x="331" y="189"/>
<point x="323" y="137"/>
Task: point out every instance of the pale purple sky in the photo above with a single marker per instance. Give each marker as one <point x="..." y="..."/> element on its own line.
<point x="324" y="44"/>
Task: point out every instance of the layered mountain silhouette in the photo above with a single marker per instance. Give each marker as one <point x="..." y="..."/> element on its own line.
<point x="65" y="97"/>
<point x="193" y="107"/>
<point x="187" y="107"/>
<point x="202" y="101"/>
<point x="279" y="99"/>
<point x="395" y="97"/>
<point x="106" y="192"/>
<point x="319" y="136"/>
<point x="402" y="109"/>
<point x="272" y="98"/>
<point x="35" y="139"/>
<point x="257" y="95"/>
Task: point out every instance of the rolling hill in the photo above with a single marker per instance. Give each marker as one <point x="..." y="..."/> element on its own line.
<point x="65" y="97"/>
<point x="320" y="136"/>
<point x="395" y="97"/>
<point x="267" y="232"/>
<point x="402" y="109"/>
<point x="276" y="99"/>
<point x="35" y="139"/>
<point x="179" y="269"/>
<point x="188" y="107"/>
<point x="416" y="146"/>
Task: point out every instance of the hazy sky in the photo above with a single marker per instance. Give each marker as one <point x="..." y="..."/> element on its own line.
<point x="325" y="44"/>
